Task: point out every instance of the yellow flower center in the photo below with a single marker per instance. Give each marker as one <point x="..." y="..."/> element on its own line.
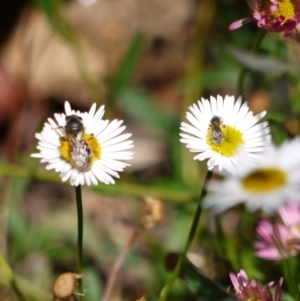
<point x="264" y="180"/>
<point x="233" y="139"/>
<point x="80" y="153"/>
<point x="287" y="8"/>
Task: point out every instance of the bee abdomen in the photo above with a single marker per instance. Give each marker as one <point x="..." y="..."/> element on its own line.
<point x="217" y="136"/>
<point x="81" y="155"/>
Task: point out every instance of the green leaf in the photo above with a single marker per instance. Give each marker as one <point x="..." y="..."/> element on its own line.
<point x="48" y="6"/>
<point x="94" y="285"/>
<point x="127" y="66"/>
<point x="199" y="284"/>
<point x="259" y="63"/>
<point x="138" y="105"/>
<point x="279" y="133"/>
<point x="275" y="116"/>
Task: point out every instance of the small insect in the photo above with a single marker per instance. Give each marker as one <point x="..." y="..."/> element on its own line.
<point x="216" y="135"/>
<point x="80" y="151"/>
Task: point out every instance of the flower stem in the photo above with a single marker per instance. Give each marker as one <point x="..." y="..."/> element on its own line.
<point x="10" y="276"/>
<point x="118" y="263"/>
<point x="261" y="34"/>
<point x="79" y="238"/>
<point x="290" y="279"/>
<point x="166" y="289"/>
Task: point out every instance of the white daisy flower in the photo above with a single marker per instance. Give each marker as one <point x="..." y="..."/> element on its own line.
<point x="224" y="131"/>
<point x="83" y="147"/>
<point x="266" y="186"/>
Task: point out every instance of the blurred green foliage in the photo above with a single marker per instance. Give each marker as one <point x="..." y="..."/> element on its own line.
<point x="224" y="54"/>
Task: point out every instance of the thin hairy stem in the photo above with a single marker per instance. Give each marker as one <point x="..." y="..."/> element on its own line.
<point x="79" y="239"/>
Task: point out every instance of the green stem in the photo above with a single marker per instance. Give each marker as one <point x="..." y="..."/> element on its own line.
<point x="290" y="280"/>
<point x="166" y="289"/>
<point x="261" y="34"/>
<point x="10" y="276"/>
<point x="79" y="238"/>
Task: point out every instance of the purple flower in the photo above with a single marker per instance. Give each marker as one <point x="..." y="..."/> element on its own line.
<point x="274" y="15"/>
<point x="279" y="239"/>
<point x="253" y="289"/>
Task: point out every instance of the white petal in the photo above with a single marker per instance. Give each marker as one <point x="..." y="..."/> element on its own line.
<point x="114" y="147"/>
<point x="233" y="113"/>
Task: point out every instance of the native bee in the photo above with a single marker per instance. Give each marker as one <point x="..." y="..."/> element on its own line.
<point x="216" y="135"/>
<point x="80" y="151"/>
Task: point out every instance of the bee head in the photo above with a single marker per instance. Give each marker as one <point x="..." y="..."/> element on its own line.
<point x="216" y="121"/>
<point x="74" y="125"/>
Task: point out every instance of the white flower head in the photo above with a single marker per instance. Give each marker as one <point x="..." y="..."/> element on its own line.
<point x="83" y="147"/>
<point x="225" y="132"/>
<point x="265" y="186"/>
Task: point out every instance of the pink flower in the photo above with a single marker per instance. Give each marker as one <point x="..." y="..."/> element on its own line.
<point x="274" y="15"/>
<point x="279" y="239"/>
<point x="253" y="290"/>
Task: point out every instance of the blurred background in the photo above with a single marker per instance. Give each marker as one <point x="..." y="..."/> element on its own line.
<point x="147" y="61"/>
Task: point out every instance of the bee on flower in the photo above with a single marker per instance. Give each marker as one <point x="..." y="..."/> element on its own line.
<point x="83" y="147"/>
<point x="225" y="132"/>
